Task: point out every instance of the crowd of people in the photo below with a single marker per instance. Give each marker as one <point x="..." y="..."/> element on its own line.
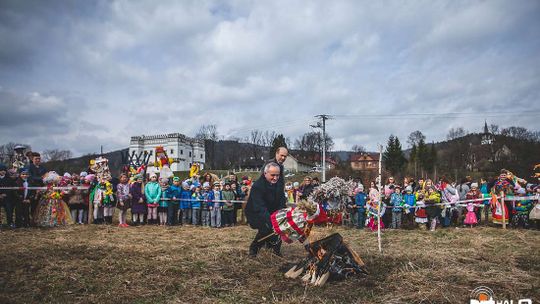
<point x="427" y="205"/>
<point x="81" y="198"/>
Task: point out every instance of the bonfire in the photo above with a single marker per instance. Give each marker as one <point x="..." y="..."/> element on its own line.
<point x="327" y="257"/>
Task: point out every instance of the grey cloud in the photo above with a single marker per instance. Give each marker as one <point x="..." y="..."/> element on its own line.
<point x="126" y="68"/>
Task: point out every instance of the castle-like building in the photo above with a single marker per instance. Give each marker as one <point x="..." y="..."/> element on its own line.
<point x="183" y="150"/>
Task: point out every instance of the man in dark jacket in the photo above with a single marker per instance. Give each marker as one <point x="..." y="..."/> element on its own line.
<point x="264" y="199"/>
<point x="279" y="159"/>
<point x="36" y="171"/>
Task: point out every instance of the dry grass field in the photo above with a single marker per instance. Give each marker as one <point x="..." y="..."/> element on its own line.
<point x="150" y="264"/>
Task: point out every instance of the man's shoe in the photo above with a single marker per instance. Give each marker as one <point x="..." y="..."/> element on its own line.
<point x="253" y="250"/>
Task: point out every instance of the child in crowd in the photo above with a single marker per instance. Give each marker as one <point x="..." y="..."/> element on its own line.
<point x="409" y="202"/>
<point x="101" y="198"/>
<point x="522" y="208"/>
<point x="534" y="215"/>
<point x="138" y="200"/>
<point x="433" y="210"/>
<point x="207" y="196"/>
<point x="289" y="192"/>
<point x="238" y="196"/>
<point x="420" y="212"/>
<point x="470" y="217"/>
<point x="124" y="200"/>
<point x="172" y="208"/>
<point x="22" y="203"/>
<point x="152" y="191"/>
<point x="360" y="206"/>
<point x="163" y="205"/>
<point x="196" y="205"/>
<point x="108" y="202"/>
<point x="373" y="209"/>
<point x="396" y="201"/>
<point x="485" y="194"/>
<point x="228" y="196"/>
<point x="75" y="200"/>
<point x="215" y="207"/>
<point x="473" y="194"/>
<point x="185" y="204"/>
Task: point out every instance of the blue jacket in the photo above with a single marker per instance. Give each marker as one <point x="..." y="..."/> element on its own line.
<point x="175" y="192"/>
<point x="167" y="193"/>
<point x="410" y="199"/>
<point x="196" y="200"/>
<point x="152" y="191"/>
<point x="396" y="200"/>
<point x="206" y="196"/>
<point x="217" y="198"/>
<point x="360" y="201"/>
<point x="185" y="199"/>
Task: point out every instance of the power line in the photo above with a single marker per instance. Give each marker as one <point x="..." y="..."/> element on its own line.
<point x="437" y="115"/>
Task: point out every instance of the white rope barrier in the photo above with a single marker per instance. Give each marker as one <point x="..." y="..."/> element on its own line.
<point x="47" y="188"/>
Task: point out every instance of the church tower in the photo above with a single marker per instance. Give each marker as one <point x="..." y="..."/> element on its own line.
<point x="487" y="137"/>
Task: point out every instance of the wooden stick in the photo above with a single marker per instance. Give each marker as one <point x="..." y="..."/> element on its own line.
<point x="503" y="205"/>
<point x="264" y="238"/>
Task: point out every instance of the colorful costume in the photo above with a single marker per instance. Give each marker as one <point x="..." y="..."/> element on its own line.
<point x="470" y="218"/>
<point x="52" y="210"/>
<point x="504" y="186"/>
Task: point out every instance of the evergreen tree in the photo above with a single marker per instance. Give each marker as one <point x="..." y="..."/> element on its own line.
<point x="422" y="155"/>
<point x="279" y="141"/>
<point x="393" y="157"/>
<point x="413" y="158"/>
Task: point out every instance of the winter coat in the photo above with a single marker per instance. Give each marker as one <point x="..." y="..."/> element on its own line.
<point x="264" y="199"/>
<point x="409" y="200"/>
<point x="152" y="191"/>
<point x="196" y="200"/>
<point x="185" y="199"/>
<point x="227" y="196"/>
<point x="360" y="201"/>
<point x="175" y="193"/>
<point x="166" y="194"/>
<point x="396" y="200"/>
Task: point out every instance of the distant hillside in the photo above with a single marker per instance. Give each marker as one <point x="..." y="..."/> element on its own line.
<point x="78" y="164"/>
<point x="465" y="155"/>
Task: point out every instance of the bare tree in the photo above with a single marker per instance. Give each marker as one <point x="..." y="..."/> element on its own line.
<point x="519" y="133"/>
<point x="415" y="138"/>
<point x="358" y="149"/>
<point x="312" y="142"/>
<point x="268" y="138"/>
<point x="207" y="132"/>
<point x="56" y="155"/>
<point x="255" y="139"/>
<point x="494" y="129"/>
<point x="455" y="133"/>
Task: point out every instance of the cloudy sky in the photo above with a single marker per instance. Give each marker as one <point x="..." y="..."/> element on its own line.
<point x="80" y="74"/>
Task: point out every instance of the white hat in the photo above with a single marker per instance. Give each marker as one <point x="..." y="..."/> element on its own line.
<point x="153" y="175"/>
<point x="474" y="185"/>
<point x="83" y="174"/>
<point x="206" y="184"/>
<point x="408" y="189"/>
<point x="361" y="187"/>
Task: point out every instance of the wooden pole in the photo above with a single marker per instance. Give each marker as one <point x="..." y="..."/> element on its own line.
<point x="503" y="205"/>
<point x="379" y="208"/>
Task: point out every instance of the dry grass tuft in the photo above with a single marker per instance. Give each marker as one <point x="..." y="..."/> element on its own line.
<point x="103" y="264"/>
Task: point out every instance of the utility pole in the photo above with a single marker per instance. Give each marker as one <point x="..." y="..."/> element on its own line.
<point x="322" y="125"/>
